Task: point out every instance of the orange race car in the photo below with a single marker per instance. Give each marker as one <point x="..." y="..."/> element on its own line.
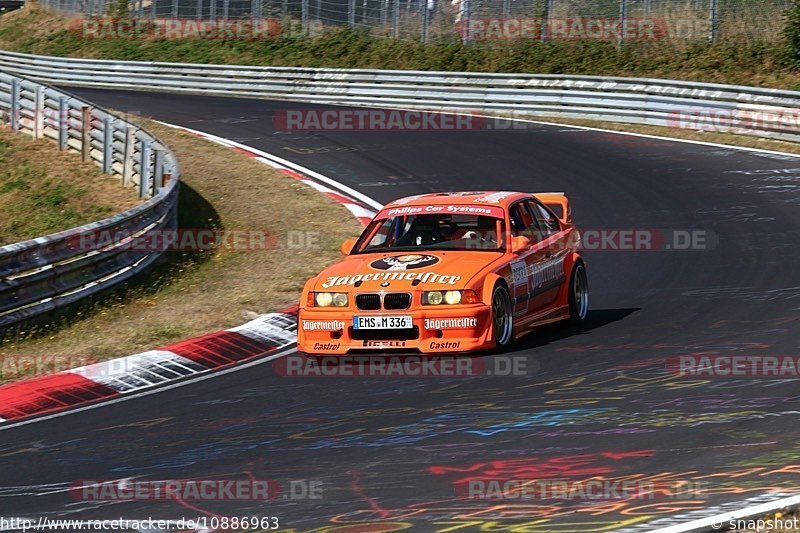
<point x="448" y="272"/>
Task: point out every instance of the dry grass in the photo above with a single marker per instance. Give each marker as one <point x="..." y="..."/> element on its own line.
<point x="786" y="519"/>
<point x="751" y="51"/>
<point x="195" y="293"/>
<point x="43" y="190"/>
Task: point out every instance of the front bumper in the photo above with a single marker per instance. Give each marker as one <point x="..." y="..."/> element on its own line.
<point x="445" y="329"/>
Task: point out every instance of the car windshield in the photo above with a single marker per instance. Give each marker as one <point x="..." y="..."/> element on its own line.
<point x="433" y="232"/>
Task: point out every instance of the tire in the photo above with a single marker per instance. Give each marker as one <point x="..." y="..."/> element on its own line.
<point x="578" y="294"/>
<point x="502" y="316"/>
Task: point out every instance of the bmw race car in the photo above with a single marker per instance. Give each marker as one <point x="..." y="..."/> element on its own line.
<point x="448" y="272"/>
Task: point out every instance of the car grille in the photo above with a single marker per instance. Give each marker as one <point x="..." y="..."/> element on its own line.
<point x="384" y="334"/>
<point x="368" y="302"/>
<point x="393" y="300"/>
<point x="397" y="300"/>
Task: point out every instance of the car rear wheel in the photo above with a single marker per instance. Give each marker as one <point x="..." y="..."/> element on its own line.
<point x="578" y="294"/>
<point x="502" y="316"/>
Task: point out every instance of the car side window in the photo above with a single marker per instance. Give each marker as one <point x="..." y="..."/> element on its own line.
<point x="524" y="223"/>
<point x="547" y="221"/>
<point x="517" y="220"/>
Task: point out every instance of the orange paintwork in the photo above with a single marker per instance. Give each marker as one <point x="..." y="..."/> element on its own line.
<point x="539" y="292"/>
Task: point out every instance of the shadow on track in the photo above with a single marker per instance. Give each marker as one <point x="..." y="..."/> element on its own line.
<point x="596" y="319"/>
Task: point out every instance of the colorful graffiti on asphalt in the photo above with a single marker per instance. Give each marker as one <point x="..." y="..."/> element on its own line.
<point x="457" y="437"/>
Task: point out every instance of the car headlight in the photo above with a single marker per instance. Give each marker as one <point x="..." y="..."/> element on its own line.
<point x="432" y="298"/>
<point x="339" y="299"/>
<point x="449" y="297"/>
<point x="452" y="297"/>
<point x="327" y="299"/>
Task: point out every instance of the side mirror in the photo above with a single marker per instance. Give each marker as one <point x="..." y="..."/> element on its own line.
<point x="520" y="244"/>
<point x="347" y="246"/>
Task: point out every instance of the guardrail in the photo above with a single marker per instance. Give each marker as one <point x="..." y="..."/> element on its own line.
<point x="746" y="110"/>
<point x="42" y="274"/>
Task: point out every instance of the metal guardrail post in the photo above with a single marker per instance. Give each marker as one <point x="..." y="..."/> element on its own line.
<point x="144" y="168"/>
<point x="351" y="13"/>
<point x="63" y="122"/>
<point x="86" y="133"/>
<point x="226" y="8"/>
<point x="199" y="13"/>
<point x="384" y="13"/>
<point x="212" y="10"/>
<point x="108" y="145"/>
<point x="158" y="166"/>
<point x="506" y="8"/>
<point x="38" y="112"/>
<point x="426" y="13"/>
<point x="304" y="15"/>
<point x="623" y="20"/>
<point x="174" y="14"/>
<point x="15" y="105"/>
<point x="153" y="11"/>
<point x="713" y="28"/>
<point x="396" y="19"/>
<point x="127" y="160"/>
<point x="544" y="33"/>
<point x="466" y="16"/>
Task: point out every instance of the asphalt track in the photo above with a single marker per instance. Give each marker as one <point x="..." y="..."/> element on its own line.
<point x="596" y="403"/>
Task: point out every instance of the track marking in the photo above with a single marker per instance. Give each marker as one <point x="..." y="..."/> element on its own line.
<point x="249" y="150"/>
<point x="283" y="353"/>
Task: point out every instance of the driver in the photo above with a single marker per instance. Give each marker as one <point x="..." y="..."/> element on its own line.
<point x="484" y="234"/>
<point x="425" y="230"/>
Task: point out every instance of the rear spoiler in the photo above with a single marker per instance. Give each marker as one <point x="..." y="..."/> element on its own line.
<point x="558" y="203"/>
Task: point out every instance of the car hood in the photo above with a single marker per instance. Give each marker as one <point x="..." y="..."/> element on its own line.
<point x="404" y="271"/>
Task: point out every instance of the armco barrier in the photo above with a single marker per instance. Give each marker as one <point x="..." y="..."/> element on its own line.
<point x="747" y="110"/>
<point x="45" y="273"/>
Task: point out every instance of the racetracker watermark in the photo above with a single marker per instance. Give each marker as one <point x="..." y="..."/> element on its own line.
<point x="735" y="120"/>
<point x="12" y="366"/>
<point x="619" y="239"/>
<point x="176" y="28"/>
<point x="322" y="119"/>
<point x="608" y="239"/>
<point x="195" y="490"/>
<point x="194" y="240"/>
<point x="646" y="240"/>
<point x="735" y="366"/>
<point x="590" y="489"/>
<point x="582" y="28"/>
<point x="400" y="366"/>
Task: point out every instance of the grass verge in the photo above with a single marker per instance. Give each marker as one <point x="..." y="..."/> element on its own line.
<point x="191" y="293"/>
<point x="733" y="59"/>
<point x="43" y="190"/>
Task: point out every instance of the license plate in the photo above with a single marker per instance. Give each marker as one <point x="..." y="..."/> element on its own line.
<point x="382" y="322"/>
